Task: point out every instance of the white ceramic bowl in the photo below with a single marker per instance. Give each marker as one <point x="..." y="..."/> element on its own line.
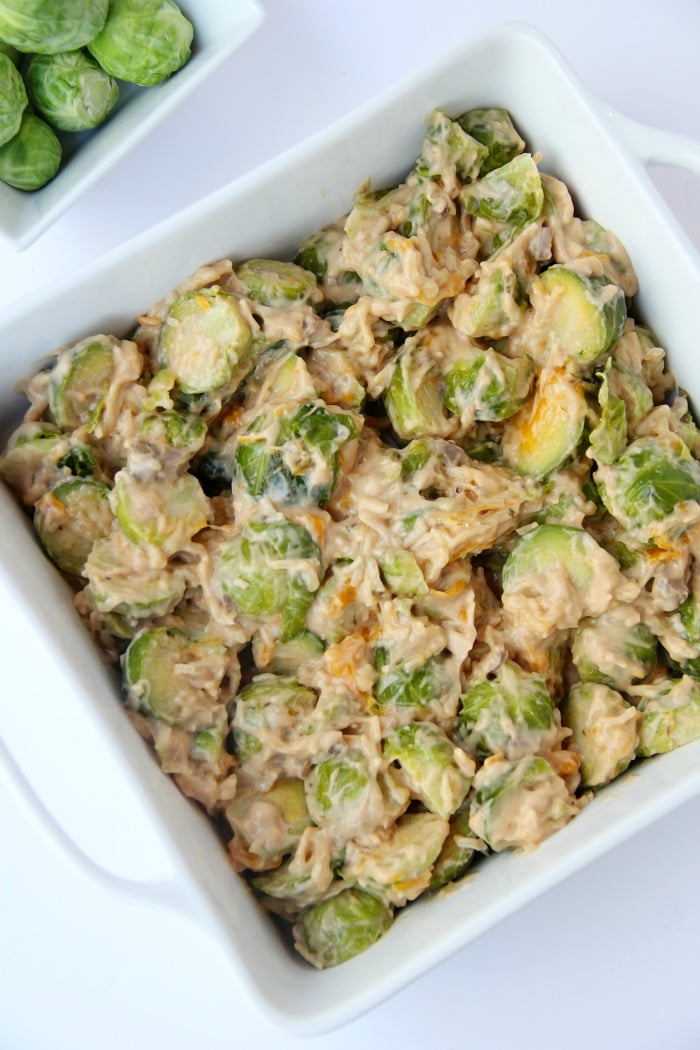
<point x="220" y="26"/>
<point x="602" y="157"/>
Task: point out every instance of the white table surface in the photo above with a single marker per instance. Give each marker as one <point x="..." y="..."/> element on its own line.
<point x="611" y="957"/>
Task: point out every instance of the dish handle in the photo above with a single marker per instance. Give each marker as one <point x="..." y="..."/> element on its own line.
<point x="168" y="892"/>
<point x="654" y="146"/>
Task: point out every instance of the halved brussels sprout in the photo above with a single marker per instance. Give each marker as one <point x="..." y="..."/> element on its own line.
<point x="70" y="518"/>
<point x="270" y="823"/>
<point x="485" y="385"/>
<point x="80" y="379"/>
<point x="458" y="851"/>
<point x="341" y="927"/>
<point x="413" y="399"/>
<point x="13" y="99"/>
<point x="271" y="568"/>
<point x="608" y="438"/>
<point x="548" y="429"/>
<point x="165" y="513"/>
<point x="142" y="41"/>
<point x="647" y="483"/>
<point x="493" y="127"/>
<point x="125" y="582"/>
<point x="205" y="341"/>
<point x="511" y="194"/>
<point x="345" y="793"/>
<point x="584" y="315"/>
<point x="70" y="90"/>
<point x="613" y="649"/>
<point x="516" y="805"/>
<point x="448" y="150"/>
<point x="266" y="709"/>
<point x="164" y="443"/>
<point x="174" y="678"/>
<point x="493" y="309"/>
<point x="510" y="712"/>
<point x="32" y="157"/>
<point x="277" y="284"/>
<point x="48" y="26"/>
<point x="431" y="765"/>
<point x="321" y="249"/>
<point x="403" y="575"/>
<point x="32" y="452"/>
<point x="416" y="688"/>
<point x="604" y="731"/>
<point x="670" y="715"/>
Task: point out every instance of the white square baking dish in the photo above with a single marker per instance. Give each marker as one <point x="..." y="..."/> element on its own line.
<point x="220" y="26"/>
<point x="599" y="155"/>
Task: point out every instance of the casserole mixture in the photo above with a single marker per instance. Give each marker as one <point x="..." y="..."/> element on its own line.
<point x="395" y="545"/>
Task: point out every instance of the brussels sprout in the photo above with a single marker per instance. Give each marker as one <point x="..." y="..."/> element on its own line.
<point x="80" y="379"/>
<point x="670" y="715"/>
<point x="447" y="149"/>
<point x="270" y="823"/>
<point x="70" y="90"/>
<point x="413" y="399"/>
<point x="270" y="569"/>
<point x="485" y="385"/>
<point x="608" y="438"/>
<point x="548" y="429"/>
<point x="297" y="458"/>
<point x="604" y="731"/>
<point x="584" y="315"/>
<point x="122" y="582"/>
<point x="405" y="687"/>
<point x="277" y="284"/>
<point x="631" y="388"/>
<point x="32" y="157"/>
<point x="13" y="99"/>
<point x="457" y="853"/>
<point x="164" y="443"/>
<point x="173" y="677"/>
<point x="647" y="483"/>
<point x="398" y="864"/>
<point x="516" y="805"/>
<point x="303" y="880"/>
<point x="494" y="128"/>
<point x="166" y="514"/>
<point x="509" y="712"/>
<point x="269" y="704"/>
<point x="338" y="608"/>
<point x="494" y="309"/>
<point x="143" y="41"/>
<point x="48" y="26"/>
<point x="321" y="250"/>
<point x="32" y="452"/>
<point x="686" y="622"/>
<point x="341" y="927"/>
<point x="431" y="766"/>
<point x="511" y="196"/>
<point x="287" y="657"/>
<point x="339" y="785"/>
<point x="614" y="649"/>
<point x="205" y="341"/>
<point x="10" y="51"/>
<point x="79" y="460"/>
<point x="403" y="575"/>
<point x="70" y="518"/>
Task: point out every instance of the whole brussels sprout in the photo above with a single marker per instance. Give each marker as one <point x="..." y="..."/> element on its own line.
<point x="32" y="158"/>
<point x="13" y="99"/>
<point x="341" y="927"/>
<point x="71" y="90"/>
<point x="604" y="731"/>
<point x="510" y="712"/>
<point x="143" y="41"/>
<point x="45" y="27"/>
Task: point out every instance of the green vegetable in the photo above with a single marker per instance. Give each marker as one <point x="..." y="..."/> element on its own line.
<point x="120" y="582"/>
<point x="448" y="150"/>
<point x="494" y="308"/>
<point x="70" y="90"/>
<point x="269" y="703"/>
<point x="613" y="649"/>
<point x="608" y="438"/>
<point x="338" y="787"/>
<point x="277" y="284"/>
<point x="511" y="194"/>
<point x="143" y="41"/>
<point x="549" y="428"/>
<point x="413" y="399"/>
<point x="166" y="514"/>
<point x="405" y="687"/>
<point x="604" y="729"/>
<point x="493" y="127"/>
<point x="13" y="99"/>
<point x="32" y="157"/>
<point x="430" y="765"/>
<point x="341" y="927"/>
<point x="510" y="712"/>
<point x="270" y="569"/>
<point x="485" y="385"/>
<point x="205" y="341"/>
<point x="287" y="800"/>
<point x="288" y="657"/>
<point x="70" y="518"/>
<point x="585" y="316"/>
<point x="49" y="26"/>
<point x="670" y="716"/>
<point x="458" y="851"/>
<point x="80" y="380"/>
<point x="402" y="575"/>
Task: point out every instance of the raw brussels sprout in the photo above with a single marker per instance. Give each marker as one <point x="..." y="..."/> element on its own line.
<point x="584" y="315"/>
<point x="70" y="519"/>
<point x="448" y="150"/>
<point x="613" y="649"/>
<point x="70" y="90"/>
<point x="277" y="284"/>
<point x="10" y="51"/>
<point x="268" y="705"/>
<point x="670" y="715"/>
<point x="604" y="731"/>
<point x="205" y="341"/>
<point x="172" y="677"/>
<point x="13" y="99"/>
<point x="457" y="853"/>
<point x="516" y="805"/>
<point x="341" y="927"/>
<point x="494" y="129"/>
<point x="647" y="483"/>
<point x="485" y="385"/>
<point x="79" y="381"/>
<point x="268" y="838"/>
<point x="166" y="514"/>
<point x="48" y="26"/>
<point x="270" y="569"/>
<point x="431" y="765"/>
<point x="143" y="41"/>
<point x="294" y="457"/>
<point x="548" y="429"/>
<point x="510" y="712"/>
<point x="32" y="157"/>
